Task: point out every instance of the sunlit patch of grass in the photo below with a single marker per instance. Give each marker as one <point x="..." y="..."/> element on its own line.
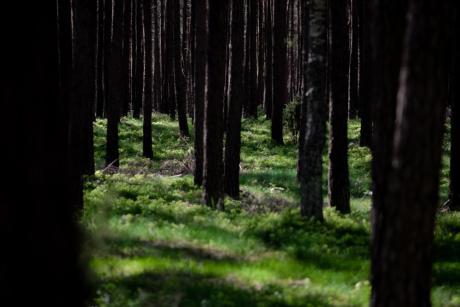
<point x="154" y="243"/>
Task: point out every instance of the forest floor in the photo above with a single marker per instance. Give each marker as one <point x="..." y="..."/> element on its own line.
<point x="152" y="243"/>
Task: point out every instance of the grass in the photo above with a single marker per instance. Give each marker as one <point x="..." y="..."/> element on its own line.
<point x="154" y="244"/>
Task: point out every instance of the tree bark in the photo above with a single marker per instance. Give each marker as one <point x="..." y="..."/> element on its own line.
<point x="148" y="103"/>
<point x="315" y="99"/>
<point x="365" y="74"/>
<point x="180" y="82"/>
<point x="402" y="247"/>
<point x="200" y="83"/>
<point x="454" y="192"/>
<point x="280" y="71"/>
<point x="84" y="79"/>
<point x="339" y="182"/>
<point x="269" y="60"/>
<point x="214" y="126"/>
<point x="39" y="233"/>
<point x="233" y="140"/>
<point x="354" y="103"/>
<point x="114" y="79"/>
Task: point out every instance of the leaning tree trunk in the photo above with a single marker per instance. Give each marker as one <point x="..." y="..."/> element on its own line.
<point x="314" y="121"/>
<point x="233" y="140"/>
<point x="279" y="71"/>
<point x="339" y="182"/>
<point x="40" y="240"/>
<point x="214" y="121"/>
<point x="200" y="83"/>
<point x="403" y="245"/>
<point x="148" y="103"/>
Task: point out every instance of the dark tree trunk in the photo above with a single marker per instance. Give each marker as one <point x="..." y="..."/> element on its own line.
<point x="200" y="82"/>
<point x="385" y="57"/>
<point x="454" y="195"/>
<point x="127" y="56"/>
<point x="170" y="56"/>
<point x="84" y="79"/>
<point x="148" y="103"/>
<point x="279" y="70"/>
<point x="139" y="61"/>
<point x="214" y="125"/>
<point x="313" y="138"/>
<point x="100" y="68"/>
<point x="233" y="140"/>
<point x="252" y="78"/>
<point x="38" y="221"/>
<point x="354" y="104"/>
<point x="269" y="60"/>
<point x="114" y="79"/>
<point x="180" y="82"/>
<point x="365" y="74"/>
<point x="339" y="184"/>
<point x="157" y="58"/>
<point x="402" y="247"/>
<point x="261" y="53"/>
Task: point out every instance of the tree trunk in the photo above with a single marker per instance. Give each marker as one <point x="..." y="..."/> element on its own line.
<point x="148" y="103"/>
<point x="280" y="71"/>
<point x="365" y="74"/>
<point x="269" y="60"/>
<point x="180" y="82"/>
<point x="233" y="140"/>
<point x="402" y="247"/>
<point x="339" y="184"/>
<point x="200" y="82"/>
<point x="387" y="40"/>
<point x="454" y="195"/>
<point x="84" y="80"/>
<point x="214" y="125"/>
<point x="314" y="100"/>
<point x="354" y="104"/>
<point x="114" y="79"/>
<point x="100" y="68"/>
<point x="39" y="223"/>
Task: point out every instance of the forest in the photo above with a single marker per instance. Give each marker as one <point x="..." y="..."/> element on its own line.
<point x="230" y="153"/>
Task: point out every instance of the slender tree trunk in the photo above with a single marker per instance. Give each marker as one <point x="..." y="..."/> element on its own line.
<point x="214" y="126"/>
<point x="402" y="248"/>
<point x="148" y="103"/>
<point x="365" y="73"/>
<point x="157" y="58"/>
<point x="180" y="82"/>
<point x="100" y="76"/>
<point x="339" y="184"/>
<point x="84" y="79"/>
<point x="354" y="104"/>
<point x="233" y="140"/>
<point x="315" y="100"/>
<point x="127" y="56"/>
<point x="114" y="79"/>
<point x="200" y="83"/>
<point x="269" y="60"/>
<point x="454" y="195"/>
<point x="279" y="70"/>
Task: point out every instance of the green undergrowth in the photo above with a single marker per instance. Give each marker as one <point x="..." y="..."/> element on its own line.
<point x="152" y="243"/>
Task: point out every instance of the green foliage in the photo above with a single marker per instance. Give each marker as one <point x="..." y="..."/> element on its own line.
<point x="153" y="243"/>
